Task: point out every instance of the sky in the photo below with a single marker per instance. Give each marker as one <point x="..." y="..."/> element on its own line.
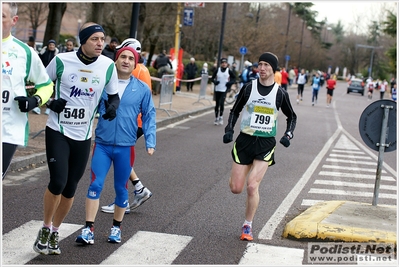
<point x="350" y="11"/>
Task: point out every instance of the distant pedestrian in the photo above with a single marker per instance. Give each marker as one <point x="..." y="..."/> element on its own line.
<point x="301" y="81"/>
<point x="222" y="78"/>
<point x="277" y="76"/>
<point x="191" y="71"/>
<point x="330" y="90"/>
<point x="48" y="52"/>
<point x="110" y="49"/>
<point x="284" y="78"/>
<point x="383" y="88"/>
<point x="315" y="88"/>
<point x="393" y="93"/>
<point x="69" y="46"/>
<point x="163" y="66"/>
<point x="204" y="69"/>
<point x="292" y="76"/>
<point x="370" y="88"/>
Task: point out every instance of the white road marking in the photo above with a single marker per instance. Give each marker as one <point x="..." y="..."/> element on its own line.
<point x="339" y="167"/>
<point x="352" y="162"/>
<point x="350" y="156"/>
<point x="148" y="248"/>
<point x="266" y="255"/>
<point x="18" y="243"/>
<point x="350" y="193"/>
<point x="355" y="175"/>
<point x="356" y="185"/>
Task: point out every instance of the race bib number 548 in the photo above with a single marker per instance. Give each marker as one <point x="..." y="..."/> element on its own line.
<point x="74" y="116"/>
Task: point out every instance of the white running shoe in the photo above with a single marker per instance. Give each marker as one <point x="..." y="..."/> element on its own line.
<point x="220" y="120"/>
<point x="216" y="121"/>
<point x="111" y="208"/>
<point x="140" y="197"/>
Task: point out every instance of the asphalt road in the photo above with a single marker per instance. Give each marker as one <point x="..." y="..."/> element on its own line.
<point x="192" y="217"/>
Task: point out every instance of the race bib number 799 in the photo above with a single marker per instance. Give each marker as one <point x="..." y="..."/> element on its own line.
<point x="262" y="119"/>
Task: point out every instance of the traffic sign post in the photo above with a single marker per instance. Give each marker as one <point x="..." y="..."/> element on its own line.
<point x="243" y="51"/>
<point x="381" y="138"/>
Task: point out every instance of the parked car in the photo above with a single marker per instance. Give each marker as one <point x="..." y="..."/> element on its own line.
<point x="356" y="86"/>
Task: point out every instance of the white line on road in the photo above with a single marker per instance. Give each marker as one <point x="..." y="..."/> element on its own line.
<point x="356" y="185"/>
<point x="18" y="243"/>
<point x="349" y="156"/>
<point x="266" y="255"/>
<point x="350" y="193"/>
<point x="148" y="248"/>
<point x="350" y="168"/>
<point x="355" y="175"/>
<point x="352" y="162"/>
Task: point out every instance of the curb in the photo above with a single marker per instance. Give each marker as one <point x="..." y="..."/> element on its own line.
<point x="345" y="221"/>
<point x="22" y="162"/>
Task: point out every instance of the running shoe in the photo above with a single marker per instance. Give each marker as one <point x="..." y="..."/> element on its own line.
<point x="247" y="233"/>
<point x="87" y="236"/>
<point x="140" y="197"/>
<point x="115" y="236"/>
<point x="220" y="120"/>
<point x="216" y="121"/>
<point x="111" y="208"/>
<point x="53" y="247"/>
<point x="40" y="245"/>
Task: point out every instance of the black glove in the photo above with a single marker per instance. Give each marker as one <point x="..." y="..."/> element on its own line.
<point x="25" y="103"/>
<point x="110" y="112"/>
<point x="216" y="82"/>
<point x="228" y="137"/>
<point x="57" y="105"/>
<point x="285" y="141"/>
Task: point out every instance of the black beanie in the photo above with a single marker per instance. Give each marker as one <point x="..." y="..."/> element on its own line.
<point x="271" y="59"/>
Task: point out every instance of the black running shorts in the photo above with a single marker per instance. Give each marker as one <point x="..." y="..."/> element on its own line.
<point x="247" y="148"/>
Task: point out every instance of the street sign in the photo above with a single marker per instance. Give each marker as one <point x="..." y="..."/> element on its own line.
<point x="188" y="17"/>
<point x="287" y="57"/>
<point x="194" y="4"/>
<point x="370" y="125"/>
<point x="243" y="50"/>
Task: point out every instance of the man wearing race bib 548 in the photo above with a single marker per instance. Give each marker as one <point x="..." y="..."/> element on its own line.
<point x="253" y="150"/>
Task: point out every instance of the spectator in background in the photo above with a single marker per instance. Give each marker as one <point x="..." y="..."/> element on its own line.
<point x="284" y="78"/>
<point x="163" y="66"/>
<point x="244" y="74"/>
<point x="31" y="42"/>
<point x="48" y="52"/>
<point x="277" y="76"/>
<point x="254" y="73"/>
<point x="69" y="46"/>
<point x="291" y="76"/>
<point x="205" y="69"/>
<point x="110" y="49"/>
<point x="46" y="55"/>
<point x="191" y="71"/>
<point x="393" y="92"/>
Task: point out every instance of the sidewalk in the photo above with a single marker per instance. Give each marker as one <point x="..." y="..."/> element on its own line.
<point x="184" y="104"/>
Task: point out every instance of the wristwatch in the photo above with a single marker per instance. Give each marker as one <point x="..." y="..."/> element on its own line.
<point x="289" y="134"/>
<point x="39" y="100"/>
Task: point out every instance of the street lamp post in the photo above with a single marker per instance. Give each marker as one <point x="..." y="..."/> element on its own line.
<point x="372" y="55"/>
<point x="77" y="36"/>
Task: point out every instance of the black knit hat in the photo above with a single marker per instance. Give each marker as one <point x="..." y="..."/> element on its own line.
<point x="270" y="58"/>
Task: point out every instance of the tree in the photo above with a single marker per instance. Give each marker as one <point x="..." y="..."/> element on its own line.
<point x="35" y="13"/>
<point x="56" y="12"/>
<point x="389" y="27"/>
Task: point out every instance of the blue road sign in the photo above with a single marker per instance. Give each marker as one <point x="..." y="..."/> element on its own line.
<point x="287" y="57"/>
<point x="188" y="16"/>
<point x="243" y="50"/>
